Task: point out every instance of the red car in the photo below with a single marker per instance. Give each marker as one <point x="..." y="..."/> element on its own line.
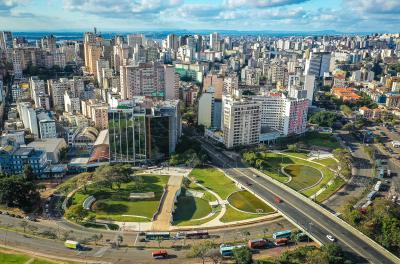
<point x="160" y="254"/>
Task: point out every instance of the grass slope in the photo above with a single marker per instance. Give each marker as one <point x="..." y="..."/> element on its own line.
<point x="302" y="176"/>
<point x="246" y="201"/>
<point x="214" y="180"/>
<point x="189" y="208"/>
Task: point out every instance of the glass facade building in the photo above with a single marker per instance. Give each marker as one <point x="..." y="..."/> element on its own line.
<point x="127" y="135"/>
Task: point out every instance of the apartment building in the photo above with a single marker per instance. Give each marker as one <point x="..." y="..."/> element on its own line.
<point x="241" y="122"/>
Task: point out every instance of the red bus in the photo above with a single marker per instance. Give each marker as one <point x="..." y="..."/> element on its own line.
<point x="197" y="234"/>
<point x="281" y="242"/>
<point x="257" y="243"/>
<point x="160" y="254"/>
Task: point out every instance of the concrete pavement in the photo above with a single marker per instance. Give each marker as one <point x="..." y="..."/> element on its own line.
<point x="163" y="218"/>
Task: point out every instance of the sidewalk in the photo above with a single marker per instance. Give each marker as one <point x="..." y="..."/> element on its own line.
<point x="164" y="217"/>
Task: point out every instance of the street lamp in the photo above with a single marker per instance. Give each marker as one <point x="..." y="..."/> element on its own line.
<point x="309" y="230"/>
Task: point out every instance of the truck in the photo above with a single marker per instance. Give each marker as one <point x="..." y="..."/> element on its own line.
<point x="73" y="245"/>
<point x="257" y="243"/>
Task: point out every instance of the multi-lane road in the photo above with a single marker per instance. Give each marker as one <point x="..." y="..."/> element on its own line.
<point x="301" y="211"/>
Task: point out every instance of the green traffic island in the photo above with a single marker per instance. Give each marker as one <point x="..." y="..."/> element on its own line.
<point x="296" y="170"/>
<point x="113" y="202"/>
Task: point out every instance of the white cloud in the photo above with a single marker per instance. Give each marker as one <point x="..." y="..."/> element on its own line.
<point x="260" y="3"/>
<point x="374" y="6"/>
<point x="120" y="8"/>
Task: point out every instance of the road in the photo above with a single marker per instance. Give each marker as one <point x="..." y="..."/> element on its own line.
<point x="361" y="179"/>
<point x="305" y="215"/>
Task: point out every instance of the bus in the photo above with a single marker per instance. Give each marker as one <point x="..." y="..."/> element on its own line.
<point x="197" y="234"/>
<point x="281" y="242"/>
<point x="160" y="254"/>
<point x="157" y="235"/>
<point x="73" y="245"/>
<point x="227" y="251"/>
<point x="377" y="186"/>
<point x="371" y="195"/>
<point x="282" y="234"/>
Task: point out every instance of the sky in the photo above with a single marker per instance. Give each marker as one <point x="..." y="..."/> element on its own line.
<point x="245" y="15"/>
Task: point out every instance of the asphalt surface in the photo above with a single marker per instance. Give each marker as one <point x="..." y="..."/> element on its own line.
<point x="361" y="179"/>
<point x="302" y="213"/>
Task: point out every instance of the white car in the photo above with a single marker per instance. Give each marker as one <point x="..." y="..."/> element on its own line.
<point x="331" y="238"/>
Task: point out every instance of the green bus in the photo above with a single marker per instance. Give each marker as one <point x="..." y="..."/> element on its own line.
<point x="157" y="235"/>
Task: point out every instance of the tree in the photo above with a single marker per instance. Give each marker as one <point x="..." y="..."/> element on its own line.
<point x="293" y="147"/>
<point x="242" y="255"/>
<point x="15" y="191"/>
<point x="324" y="119"/>
<point x="28" y="173"/>
<point x="83" y="178"/>
<point x="346" y="110"/>
<point x="76" y="212"/>
<point x="201" y="250"/>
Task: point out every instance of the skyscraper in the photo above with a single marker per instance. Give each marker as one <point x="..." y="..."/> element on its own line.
<point x="215" y="41"/>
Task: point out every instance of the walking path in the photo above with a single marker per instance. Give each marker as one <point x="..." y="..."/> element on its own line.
<point x="163" y="218"/>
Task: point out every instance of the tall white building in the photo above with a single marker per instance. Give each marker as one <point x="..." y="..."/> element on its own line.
<point x="283" y="114"/>
<point x="215" y="40"/>
<point x="205" y="108"/>
<point x="241" y="121"/>
<point x="318" y="63"/>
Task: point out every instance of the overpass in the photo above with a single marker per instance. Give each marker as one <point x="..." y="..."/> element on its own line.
<point x="301" y="211"/>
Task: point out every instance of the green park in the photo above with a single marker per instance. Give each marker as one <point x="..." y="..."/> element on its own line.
<point x="308" y="175"/>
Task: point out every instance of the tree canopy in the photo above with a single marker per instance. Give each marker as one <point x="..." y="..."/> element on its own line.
<point x="16" y="191"/>
<point x="325" y="119"/>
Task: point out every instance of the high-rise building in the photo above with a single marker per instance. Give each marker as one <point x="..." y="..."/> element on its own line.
<point x="172" y="42"/>
<point x="283" y="114"/>
<point x="6" y="40"/>
<point x="241" y="121"/>
<point x="127" y="134"/>
<point x="148" y="79"/>
<point x="135" y="39"/>
<point x="318" y="63"/>
<point x="215" y="41"/>
<point x="140" y="130"/>
<point x="57" y="90"/>
<point x="209" y="110"/>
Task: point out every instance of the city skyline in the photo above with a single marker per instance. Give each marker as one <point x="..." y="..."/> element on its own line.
<point x="275" y="15"/>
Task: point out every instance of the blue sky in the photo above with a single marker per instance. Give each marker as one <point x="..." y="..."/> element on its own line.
<point x="131" y="15"/>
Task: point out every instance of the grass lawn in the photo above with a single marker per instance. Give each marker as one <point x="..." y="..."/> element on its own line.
<point x="246" y="201"/>
<point x="276" y="161"/>
<point x="215" y="180"/>
<point x="334" y="187"/>
<point x="202" y="221"/>
<point x="114" y="204"/>
<point x="331" y="163"/>
<point x="189" y="208"/>
<point x="322" y="140"/>
<point x="302" y="176"/>
<point x="232" y="214"/>
<point x="13" y="258"/>
<point x="21" y="258"/>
